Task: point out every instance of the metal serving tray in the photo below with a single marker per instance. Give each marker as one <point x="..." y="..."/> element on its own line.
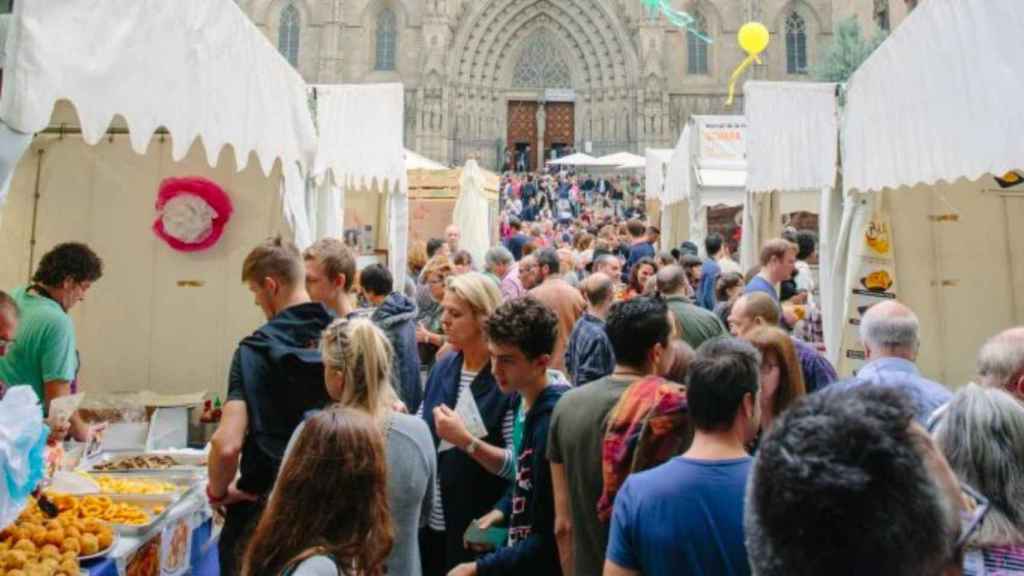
<point x="187" y="463"/>
<point x="147" y="503"/>
<point x="184" y="482"/>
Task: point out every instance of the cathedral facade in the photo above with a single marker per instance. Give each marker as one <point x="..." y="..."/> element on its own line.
<point x="488" y="78"/>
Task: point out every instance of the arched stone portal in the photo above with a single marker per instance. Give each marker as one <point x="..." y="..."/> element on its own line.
<point x="548" y="73"/>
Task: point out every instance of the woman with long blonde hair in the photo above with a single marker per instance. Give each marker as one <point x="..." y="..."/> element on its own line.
<point x="357" y="371"/>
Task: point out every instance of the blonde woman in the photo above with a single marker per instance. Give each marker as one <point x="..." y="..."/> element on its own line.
<point x="357" y="372"/>
<point x="461" y="381"/>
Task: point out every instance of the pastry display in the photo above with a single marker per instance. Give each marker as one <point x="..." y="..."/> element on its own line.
<point x="36" y="544"/>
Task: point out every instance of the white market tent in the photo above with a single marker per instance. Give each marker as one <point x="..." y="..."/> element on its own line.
<point x="792" y="150"/>
<point x="654" y="172"/>
<point x="931" y="118"/>
<point x="361" y="163"/>
<point x="79" y="110"/>
<point x="708" y="168"/>
<point x="575" y="159"/>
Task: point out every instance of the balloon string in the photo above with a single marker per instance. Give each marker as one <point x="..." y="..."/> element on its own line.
<point x="736" y="74"/>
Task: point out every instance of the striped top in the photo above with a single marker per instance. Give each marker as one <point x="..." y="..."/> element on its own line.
<point x="436" y="520"/>
<point x="994" y="561"/>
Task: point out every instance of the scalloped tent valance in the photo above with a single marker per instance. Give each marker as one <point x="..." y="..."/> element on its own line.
<point x="939" y="100"/>
<point x="200" y="69"/>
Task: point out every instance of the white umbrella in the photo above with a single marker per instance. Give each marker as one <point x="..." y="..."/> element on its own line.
<point x="638" y="162"/>
<point x="414" y="161"/>
<point x="577" y="159"/>
<point x="619" y="159"/>
<point x="471" y="213"/>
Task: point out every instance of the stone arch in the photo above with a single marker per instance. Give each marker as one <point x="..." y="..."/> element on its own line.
<point x="540" y="41"/>
<point x="607" y="56"/>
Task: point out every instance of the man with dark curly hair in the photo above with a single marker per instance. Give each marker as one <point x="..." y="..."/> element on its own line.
<point x="44" y="354"/>
<point x="521" y="337"/>
<point x="848" y="483"/>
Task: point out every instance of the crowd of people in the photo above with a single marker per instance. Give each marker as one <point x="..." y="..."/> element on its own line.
<point x="578" y="403"/>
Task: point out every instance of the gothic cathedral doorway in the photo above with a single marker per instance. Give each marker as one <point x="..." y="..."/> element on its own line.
<point x="531" y="126"/>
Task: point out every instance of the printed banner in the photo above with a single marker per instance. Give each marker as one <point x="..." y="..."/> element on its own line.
<point x="874" y="281"/>
<point x="722" y="140"/>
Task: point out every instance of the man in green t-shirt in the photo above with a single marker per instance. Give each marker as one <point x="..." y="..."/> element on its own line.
<point x="44" y="354"/>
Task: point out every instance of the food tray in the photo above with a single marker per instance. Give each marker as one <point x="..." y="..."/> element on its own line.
<point x="147" y="503"/>
<point x="187" y="462"/>
<point x="184" y="481"/>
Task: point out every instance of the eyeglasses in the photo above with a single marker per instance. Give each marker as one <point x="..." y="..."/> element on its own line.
<point x="971" y="519"/>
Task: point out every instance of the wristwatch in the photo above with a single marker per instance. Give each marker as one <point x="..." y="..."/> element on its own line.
<point x="471" y="447"/>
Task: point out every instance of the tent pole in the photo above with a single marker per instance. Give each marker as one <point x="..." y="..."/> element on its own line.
<point x="35" y="214"/>
<point x="1009" y="260"/>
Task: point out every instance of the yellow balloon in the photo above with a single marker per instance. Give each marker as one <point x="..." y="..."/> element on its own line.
<point x="753" y="38"/>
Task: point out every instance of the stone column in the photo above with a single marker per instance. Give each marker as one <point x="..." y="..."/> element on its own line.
<point x="541" y="121"/>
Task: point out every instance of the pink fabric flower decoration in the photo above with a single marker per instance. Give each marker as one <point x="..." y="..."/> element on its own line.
<point x="191" y="213"/>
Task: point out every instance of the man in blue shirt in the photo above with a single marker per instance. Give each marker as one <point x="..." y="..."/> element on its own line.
<point x="589" y="354"/>
<point x="686" y="516"/>
<point x="710" y="272"/>
<point x="778" y="260"/>
<point x="639" y="246"/>
<point x="889" y="332"/>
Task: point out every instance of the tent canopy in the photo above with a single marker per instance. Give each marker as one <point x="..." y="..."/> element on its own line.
<point x="575" y="159"/>
<point x="199" y="69"/>
<point x="940" y="99"/>
<point x="654" y="171"/>
<point x="361" y="133"/>
<point x="710" y="153"/>
<point x="792" y="130"/>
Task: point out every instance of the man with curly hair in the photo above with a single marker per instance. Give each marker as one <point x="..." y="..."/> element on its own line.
<point x="521" y="336"/>
<point x="44" y="353"/>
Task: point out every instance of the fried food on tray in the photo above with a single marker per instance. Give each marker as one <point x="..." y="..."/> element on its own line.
<point x="98" y="508"/>
<point x="38" y="545"/>
<point x="146" y="462"/>
<point x="111" y="485"/>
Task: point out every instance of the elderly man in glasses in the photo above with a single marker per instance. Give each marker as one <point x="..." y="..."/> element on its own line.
<point x="848" y="483"/>
<point x="8" y="326"/>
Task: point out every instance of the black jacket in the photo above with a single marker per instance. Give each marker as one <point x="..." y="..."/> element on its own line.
<point x="279" y="374"/>
<point x="529" y="504"/>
